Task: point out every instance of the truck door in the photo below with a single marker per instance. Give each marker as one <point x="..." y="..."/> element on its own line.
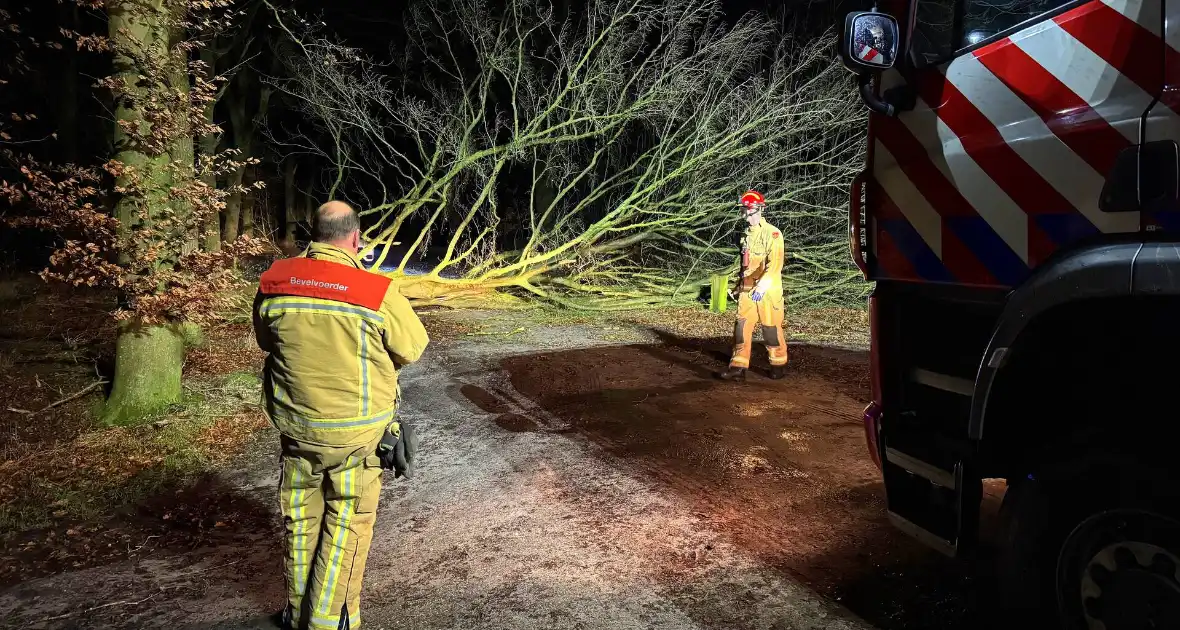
<point x="1162" y="221"/>
<point x="1022" y="108"/>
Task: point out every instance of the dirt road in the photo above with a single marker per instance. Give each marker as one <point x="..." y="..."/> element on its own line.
<point x="573" y="478"/>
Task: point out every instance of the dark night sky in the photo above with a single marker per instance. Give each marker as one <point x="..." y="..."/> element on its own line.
<point x="367" y="23"/>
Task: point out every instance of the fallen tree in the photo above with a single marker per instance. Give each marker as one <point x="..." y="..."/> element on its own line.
<point x="594" y="162"/>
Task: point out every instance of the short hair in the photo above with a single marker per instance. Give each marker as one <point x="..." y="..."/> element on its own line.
<point x="334" y="221"/>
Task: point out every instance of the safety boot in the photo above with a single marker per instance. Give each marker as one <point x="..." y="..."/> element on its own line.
<point x="286" y="618"/>
<point x="733" y="374"/>
<point x="778" y="371"/>
<point x="281" y="620"/>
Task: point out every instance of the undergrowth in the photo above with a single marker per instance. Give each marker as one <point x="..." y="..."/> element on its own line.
<point x="57" y="464"/>
<point x="105" y="470"/>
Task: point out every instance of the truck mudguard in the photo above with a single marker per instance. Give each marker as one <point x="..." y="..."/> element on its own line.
<point x="1110" y="270"/>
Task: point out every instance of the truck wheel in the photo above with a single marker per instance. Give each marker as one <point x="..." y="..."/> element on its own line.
<point x="1024" y="565"/>
<point x="1086" y="555"/>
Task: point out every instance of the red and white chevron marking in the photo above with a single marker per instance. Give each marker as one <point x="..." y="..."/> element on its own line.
<point x="869" y="54"/>
<point x="1028" y="127"/>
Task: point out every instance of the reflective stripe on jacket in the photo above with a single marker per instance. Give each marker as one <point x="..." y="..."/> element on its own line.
<point x="763" y="253"/>
<point x="336" y="336"/>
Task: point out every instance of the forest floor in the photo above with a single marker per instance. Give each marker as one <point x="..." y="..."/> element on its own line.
<point x="578" y="471"/>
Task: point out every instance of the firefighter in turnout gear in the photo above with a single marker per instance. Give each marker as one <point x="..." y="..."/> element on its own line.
<point x="760" y="292"/>
<point x="336" y="336"/>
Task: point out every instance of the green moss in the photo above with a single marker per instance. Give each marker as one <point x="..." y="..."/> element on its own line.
<point x="148" y="361"/>
<point x="242" y="380"/>
<point x="192" y="335"/>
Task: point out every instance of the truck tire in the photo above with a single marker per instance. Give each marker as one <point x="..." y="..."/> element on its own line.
<point x="1094" y="551"/>
<point x="1024" y="563"/>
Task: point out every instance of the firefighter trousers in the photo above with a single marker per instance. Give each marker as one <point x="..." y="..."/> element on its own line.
<point x="329" y="504"/>
<point x="767" y="313"/>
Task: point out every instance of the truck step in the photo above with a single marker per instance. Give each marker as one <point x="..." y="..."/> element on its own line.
<point x="946" y="547"/>
<point x="926" y="470"/>
<point x="944" y="382"/>
<point x="935" y="502"/>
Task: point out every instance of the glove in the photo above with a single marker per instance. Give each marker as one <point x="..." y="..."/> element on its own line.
<point x="759" y="291"/>
<point x="398" y="448"/>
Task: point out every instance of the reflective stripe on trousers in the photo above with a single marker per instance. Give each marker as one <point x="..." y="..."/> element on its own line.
<point x="770" y="314"/>
<point x="329" y="501"/>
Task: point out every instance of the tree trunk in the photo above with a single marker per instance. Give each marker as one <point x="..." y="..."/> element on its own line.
<point x="183" y="151"/>
<point x="309" y="203"/>
<point x="211" y="242"/>
<point x="131" y="28"/>
<point x="243" y="133"/>
<point x="290" y="205"/>
<point x="182" y="154"/>
<point x="248" y="200"/>
<point x="148" y="360"/>
<point x="147" y="372"/>
<point x="208" y="147"/>
<point x="544" y="194"/>
<point x="233" y="205"/>
<point x="288" y="242"/>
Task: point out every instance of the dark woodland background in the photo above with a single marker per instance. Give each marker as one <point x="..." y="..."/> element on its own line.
<point x="74" y="122"/>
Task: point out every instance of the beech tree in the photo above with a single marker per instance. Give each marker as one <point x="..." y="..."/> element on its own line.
<point x="591" y="159"/>
<point x="133" y="223"/>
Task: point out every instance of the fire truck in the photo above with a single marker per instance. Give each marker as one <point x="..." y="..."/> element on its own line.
<point x="1018" y="215"/>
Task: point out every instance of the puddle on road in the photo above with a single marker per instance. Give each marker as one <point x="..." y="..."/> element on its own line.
<point x="516" y="423"/>
<point x="482" y="398"/>
<point x="491" y="403"/>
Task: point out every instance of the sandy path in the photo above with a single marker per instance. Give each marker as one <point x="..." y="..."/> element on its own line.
<point x="518" y="520"/>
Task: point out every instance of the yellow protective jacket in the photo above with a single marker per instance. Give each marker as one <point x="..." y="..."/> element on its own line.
<point x="336" y="336"/>
<point x="763" y="254"/>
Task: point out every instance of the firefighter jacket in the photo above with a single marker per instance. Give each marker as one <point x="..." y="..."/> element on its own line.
<point x="763" y="253"/>
<point x="336" y="336"/>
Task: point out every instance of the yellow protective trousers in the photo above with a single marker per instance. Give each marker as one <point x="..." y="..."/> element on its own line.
<point x="769" y="313"/>
<point x="329" y="503"/>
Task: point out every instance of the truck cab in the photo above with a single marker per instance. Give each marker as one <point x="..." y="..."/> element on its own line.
<point x="1018" y="215"/>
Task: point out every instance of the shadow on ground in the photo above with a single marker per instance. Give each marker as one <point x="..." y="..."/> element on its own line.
<point x="780" y="467"/>
<point x="200" y="541"/>
<point x="177" y="518"/>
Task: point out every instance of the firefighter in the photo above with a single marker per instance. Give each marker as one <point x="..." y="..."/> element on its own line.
<point x="336" y="336"/>
<point x="760" y="292"/>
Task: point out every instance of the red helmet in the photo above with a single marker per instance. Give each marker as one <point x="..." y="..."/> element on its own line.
<point x="753" y="198"/>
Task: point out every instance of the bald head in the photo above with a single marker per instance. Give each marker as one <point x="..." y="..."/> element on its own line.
<point x="336" y="223"/>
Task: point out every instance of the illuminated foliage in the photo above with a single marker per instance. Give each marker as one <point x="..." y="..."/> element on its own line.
<point x="635" y="124"/>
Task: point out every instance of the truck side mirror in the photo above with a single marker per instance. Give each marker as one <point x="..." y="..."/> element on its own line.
<point x="869" y="44"/>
